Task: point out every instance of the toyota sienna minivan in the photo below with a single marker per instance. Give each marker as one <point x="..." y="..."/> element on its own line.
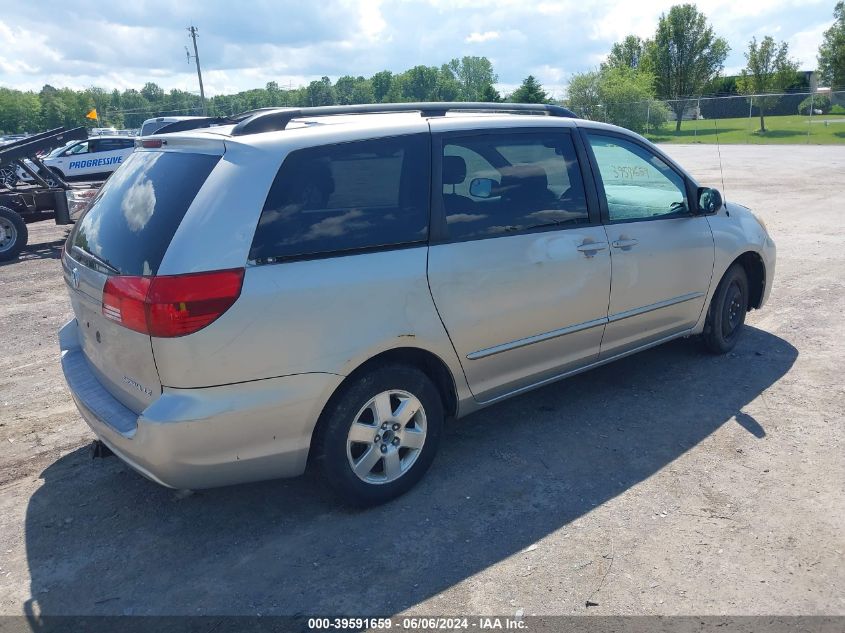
<point x="328" y="285"/>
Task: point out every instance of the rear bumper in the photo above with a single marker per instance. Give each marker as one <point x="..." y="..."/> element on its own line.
<point x="208" y="437"/>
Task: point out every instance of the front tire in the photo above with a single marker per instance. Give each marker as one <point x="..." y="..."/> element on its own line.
<point x="726" y="316"/>
<point x="13" y="234"/>
<point x="378" y="436"/>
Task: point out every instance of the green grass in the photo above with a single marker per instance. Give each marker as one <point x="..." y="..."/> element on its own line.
<point x="790" y="129"/>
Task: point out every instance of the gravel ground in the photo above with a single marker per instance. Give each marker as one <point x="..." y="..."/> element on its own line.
<point x="671" y="482"/>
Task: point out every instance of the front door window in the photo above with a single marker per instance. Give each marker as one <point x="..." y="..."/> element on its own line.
<point x="638" y="184"/>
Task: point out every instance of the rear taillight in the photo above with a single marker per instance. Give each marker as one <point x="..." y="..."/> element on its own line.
<point x="171" y="305"/>
<point x="152" y="143"/>
<point x="124" y="301"/>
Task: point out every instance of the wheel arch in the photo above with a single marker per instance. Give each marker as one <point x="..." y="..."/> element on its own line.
<point x="429" y="363"/>
<point x="426" y="361"/>
<point x="755" y="271"/>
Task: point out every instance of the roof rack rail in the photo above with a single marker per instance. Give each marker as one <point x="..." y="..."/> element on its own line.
<point x="192" y="124"/>
<point x="276" y="119"/>
<point x="208" y="121"/>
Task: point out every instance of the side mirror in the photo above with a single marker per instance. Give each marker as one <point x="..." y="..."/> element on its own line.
<point x="709" y="200"/>
<point x="482" y="187"/>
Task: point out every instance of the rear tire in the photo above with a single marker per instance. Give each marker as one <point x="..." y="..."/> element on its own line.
<point x="13" y="234"/>
<point x="726" y="316"/>
<point x="379" y="434"/>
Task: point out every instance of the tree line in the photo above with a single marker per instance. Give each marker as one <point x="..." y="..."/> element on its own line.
<point x="643" y="83"/>
<point x="467" y="79"/>
<point x="682" y="62"/>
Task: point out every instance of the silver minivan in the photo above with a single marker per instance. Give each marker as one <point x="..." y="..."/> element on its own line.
<point x="328" y="285"/>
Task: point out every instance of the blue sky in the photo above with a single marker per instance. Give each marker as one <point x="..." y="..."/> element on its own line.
<point x="116" y="44"/>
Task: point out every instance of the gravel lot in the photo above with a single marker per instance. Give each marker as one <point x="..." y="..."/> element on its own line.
<point x="671" y="482"/>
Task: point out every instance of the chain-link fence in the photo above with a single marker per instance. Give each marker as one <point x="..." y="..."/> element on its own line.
<point x="798" y="117"/>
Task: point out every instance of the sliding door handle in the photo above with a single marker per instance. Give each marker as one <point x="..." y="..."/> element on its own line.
<point x="591" y="248"/>
<point x="625" y="244"/>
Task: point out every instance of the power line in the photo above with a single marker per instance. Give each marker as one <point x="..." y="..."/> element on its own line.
<point x="151" y="109"/>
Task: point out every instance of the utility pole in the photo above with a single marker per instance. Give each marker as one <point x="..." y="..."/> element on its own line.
<point x="193" y="31"/>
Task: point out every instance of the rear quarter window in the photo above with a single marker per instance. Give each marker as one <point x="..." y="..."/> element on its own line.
<point x="346" y="197"/>
<point x="133" y="219"/>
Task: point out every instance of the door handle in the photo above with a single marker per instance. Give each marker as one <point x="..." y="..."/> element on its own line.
<point x="625" y="244"/>
<point x="591" y="248"/>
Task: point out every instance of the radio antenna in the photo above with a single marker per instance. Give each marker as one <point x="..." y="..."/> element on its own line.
<point x="719" y="150"/>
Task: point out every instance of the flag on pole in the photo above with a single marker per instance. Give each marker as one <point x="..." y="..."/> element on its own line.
<point x="92" y="114"/>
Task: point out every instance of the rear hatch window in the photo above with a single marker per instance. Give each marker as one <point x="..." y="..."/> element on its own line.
<point x="123" y="236"/>
<point x="133" y="219"/>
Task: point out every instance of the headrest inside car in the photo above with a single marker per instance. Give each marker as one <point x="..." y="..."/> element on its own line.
<point x="523" y="181"/>
<point x="454" y="170"/>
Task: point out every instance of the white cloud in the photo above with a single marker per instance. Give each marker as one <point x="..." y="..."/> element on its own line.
<point x="24" y="51"/>
<point x="483" y="37"/>
<point x="371" y="21"/>
<point x="804" y="45"/>
<point x="123" y="45"/>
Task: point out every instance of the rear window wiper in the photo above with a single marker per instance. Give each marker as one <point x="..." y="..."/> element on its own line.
<point x="97" y="260"/>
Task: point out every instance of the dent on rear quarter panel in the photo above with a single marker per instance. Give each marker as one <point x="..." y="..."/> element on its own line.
<point x="326" y="315"/>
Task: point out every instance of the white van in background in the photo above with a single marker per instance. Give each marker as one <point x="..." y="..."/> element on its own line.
<point x="151" y="126"/>
<point x="96" y="157"/>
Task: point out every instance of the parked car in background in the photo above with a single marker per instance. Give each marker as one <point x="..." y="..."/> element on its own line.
<point x="21" y="205"/>
<point x="304" y="287"/>
<point x="9" y="138"/>
<point x="151" y="126"/>
<point x="94" y="158"/>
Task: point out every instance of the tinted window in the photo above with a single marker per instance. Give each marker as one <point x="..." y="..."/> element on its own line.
<point x="343" y="197"/>
<point x="151" y="126"/>
<point x="112" y="144"/>
<point x="497" y="184"/>
<point x="132" y="220"/>
<point x="637" y="183"/>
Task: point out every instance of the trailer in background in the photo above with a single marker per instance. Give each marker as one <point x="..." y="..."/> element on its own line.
<point x="47" y="197"/>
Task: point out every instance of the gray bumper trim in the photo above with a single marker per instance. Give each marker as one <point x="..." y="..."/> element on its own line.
<point x="88" y="390"/>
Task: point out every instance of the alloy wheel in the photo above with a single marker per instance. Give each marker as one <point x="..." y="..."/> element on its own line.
<point x="8" y="177"/>
<point x="386" y="437"/>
